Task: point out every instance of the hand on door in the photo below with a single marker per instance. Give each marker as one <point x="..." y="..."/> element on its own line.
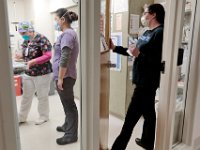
<point x="111" y="45"/>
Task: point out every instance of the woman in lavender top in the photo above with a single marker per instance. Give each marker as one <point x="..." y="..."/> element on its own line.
<point x="64" y="69"/>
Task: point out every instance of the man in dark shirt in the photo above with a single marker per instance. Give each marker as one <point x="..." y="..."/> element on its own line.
<point x="146" y="77"/>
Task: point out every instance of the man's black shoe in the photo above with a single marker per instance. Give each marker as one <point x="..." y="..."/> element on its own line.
<point x="139" y="142"/>
<point x="66" y="140"/>
<point x="60" y="129"/>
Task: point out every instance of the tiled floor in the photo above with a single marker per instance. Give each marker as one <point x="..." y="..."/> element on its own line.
<point x="43" y="137"/>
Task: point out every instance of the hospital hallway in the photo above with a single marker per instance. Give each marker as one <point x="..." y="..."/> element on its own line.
<point x="108" y="55"/>
<point x="43" y="137"/>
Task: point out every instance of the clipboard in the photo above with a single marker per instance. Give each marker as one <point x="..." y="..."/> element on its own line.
<point x="103" y="43"/>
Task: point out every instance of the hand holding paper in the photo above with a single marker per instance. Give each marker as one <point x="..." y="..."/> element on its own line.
<point x="136" y="52"/>
<point x="130" y="49"/>
<point x="133" y="51"/>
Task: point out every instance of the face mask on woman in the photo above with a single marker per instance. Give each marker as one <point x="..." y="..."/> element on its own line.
<point x="26" y="37"/>
<point x="144" y="21"/>
<point x="57" y="26"/>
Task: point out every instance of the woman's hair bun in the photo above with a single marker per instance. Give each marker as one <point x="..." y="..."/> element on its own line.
<point x="73" y="16"/>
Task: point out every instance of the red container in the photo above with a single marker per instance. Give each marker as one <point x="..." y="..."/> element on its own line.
<point x="18" y="83"/>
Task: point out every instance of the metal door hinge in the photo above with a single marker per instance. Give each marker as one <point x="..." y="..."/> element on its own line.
<point x="180" y="56"/>
<point x="162" y="68"/>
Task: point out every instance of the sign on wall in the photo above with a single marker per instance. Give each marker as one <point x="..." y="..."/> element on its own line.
<point x="118" y="22"/>
<point x="134" y="24"/>
<point x="114" y="57"/>
<point x="118" y="6"/>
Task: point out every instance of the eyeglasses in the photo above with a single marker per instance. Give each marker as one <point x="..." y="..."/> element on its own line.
<point x="145" y="12"/>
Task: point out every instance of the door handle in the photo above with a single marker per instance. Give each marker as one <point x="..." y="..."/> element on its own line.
<point x="109" y="64"/>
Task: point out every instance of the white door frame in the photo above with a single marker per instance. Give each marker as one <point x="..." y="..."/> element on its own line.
<point x="168" y="86"/>
<point x="90" y="82"/>
<point x="90" y="79"/>
<point x="90" y="73"/>
<point x="9" y="132"/>
<point x="192" y="97"/>
<point x="170" y="49"/>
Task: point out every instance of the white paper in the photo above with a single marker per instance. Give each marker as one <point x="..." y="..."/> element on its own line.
<point x="134" y="24"/>
<point x="129" y="52"/>
<point x="131" y="59"/>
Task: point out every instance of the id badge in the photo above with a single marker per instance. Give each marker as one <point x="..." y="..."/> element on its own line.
<point x="26" y="51"/>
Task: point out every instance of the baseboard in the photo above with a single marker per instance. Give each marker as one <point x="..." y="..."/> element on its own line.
<point x="117" y="115"/>
<point x="197" y="144"/>
<point x="183" y="147"/>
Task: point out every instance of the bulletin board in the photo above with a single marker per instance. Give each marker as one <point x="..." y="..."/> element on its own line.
<point x="135" y="11"/>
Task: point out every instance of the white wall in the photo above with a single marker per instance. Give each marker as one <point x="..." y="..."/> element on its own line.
<point x="159" y="1"/>
<point x="197" y="122"/>
<point x="196" y="131"/>
<point x="16" y="14"/>
<point x="192" y="121"/>
<point x="37" y="11"/>
<point x="42" y="18"/>
<point x="55" y="4"/>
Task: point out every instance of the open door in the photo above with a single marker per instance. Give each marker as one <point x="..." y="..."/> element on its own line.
<point x="105" y="74"/>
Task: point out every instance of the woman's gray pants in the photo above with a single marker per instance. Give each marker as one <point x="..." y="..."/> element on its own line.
<point x="71" y="114"/>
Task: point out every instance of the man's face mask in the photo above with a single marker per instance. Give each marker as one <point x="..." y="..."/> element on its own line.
<point x="144" y="21"/>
